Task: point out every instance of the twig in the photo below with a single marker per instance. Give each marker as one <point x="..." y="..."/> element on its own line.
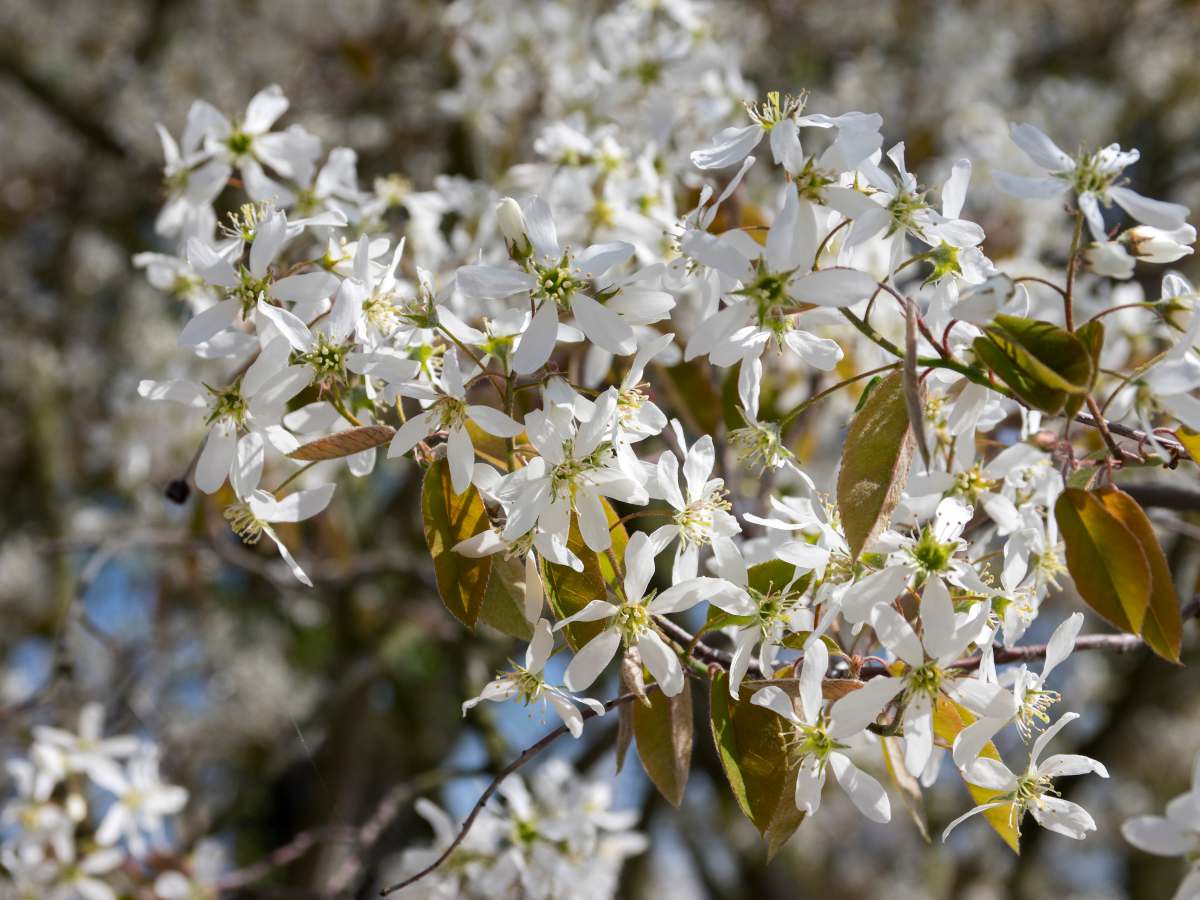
<point x="529" y="753"/>
<point x="287" y="853"/>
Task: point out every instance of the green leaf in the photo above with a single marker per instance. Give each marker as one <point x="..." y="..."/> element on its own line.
<point x="948" y="720"/>
<point x="1020" y="383"/>
<point x="875" y="461"/>
<point x="751" y="743"/>
<point x="569" y="591"/>
<point x="1043" y="364"/>
<point x="1162" y="628"/>
<point x="1052" y="355"/>
<point x="1091" y="335"/>
<point x="773" y="576"/>
<point x="504" y="601"/>
<point x="663" y="731"/>
<point x="1105" y="559"/>
<point x="449" y="518"/>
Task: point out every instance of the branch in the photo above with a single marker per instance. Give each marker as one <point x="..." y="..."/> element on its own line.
<point x="699" y="649"/>
<point x="1162" y="496"/>
<point x="287" y="853"/>
<point x="1133" y="434"/>
<point x="529" y="753"/>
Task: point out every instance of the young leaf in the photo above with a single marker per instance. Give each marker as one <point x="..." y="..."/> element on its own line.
<point x="344" y="443"/>
<point x="751" y="744"/>
<point x="1162" y="628"/>
<point x="948" y="720"/>
<point x="449" y="518"/>
<point x="1043" y="364"/>
<point x="1105" y="559"/>
<point x="1051" y="355"/>
<point x="663" y="731"/>
<point x="504" y="601"/>
<point x="875" y="461"/>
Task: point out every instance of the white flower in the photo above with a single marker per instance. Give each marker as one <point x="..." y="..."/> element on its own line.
<point x="87" y="751"/>
<point x="250" y="143"/>
<point x="554" y="276"/>
<point x="701" y="515"/>
<point x="250" y="406"/>
<point x="631" y="621"/>
<point x="817" y="742"/>
<point x="1029" y="699"/>
<point x="450" y="412"/>
<point x="528" y="683"/>
<point x="930" y="553"/>
<point x="857" y="136"/>
<point x="776" y="279"/>
<point x="256" y="510"/>
<point x="141" y="802"/>
<point x="1175" y="834"/>
<point x="1094" y="177"/>
<point x="1110" y="259"/>
<point x="1033" y="791"/>
<point x="927" y="674"/>
<point x="577" y="467"/>
<point x="77" y="879"/>
<point x="1156" y="245"/>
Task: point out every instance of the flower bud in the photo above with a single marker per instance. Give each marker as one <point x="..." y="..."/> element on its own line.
<point x="512" y="226"/>
<point x="1158" y="246"/>
<point x="1109" y="259"/>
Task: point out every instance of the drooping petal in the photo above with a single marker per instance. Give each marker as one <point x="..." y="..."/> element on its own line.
<point x="864" y="792"/>
<point x="537" y="342"/>
<point x="662" y="662"/>
<point x="729" y="146"/>
<point x="1038" y="147"/>
<point x="1063" y="817"/>
<point x="591" y="660"/>
<point x="1157" y="213"/>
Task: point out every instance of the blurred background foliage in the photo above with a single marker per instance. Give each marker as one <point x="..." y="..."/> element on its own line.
<point x="285" y="709"/>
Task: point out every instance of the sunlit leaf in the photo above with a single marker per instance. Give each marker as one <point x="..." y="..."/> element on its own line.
<point x="875" y="462"/>
<point x="949" y="719"/>
<point x="449" y="518"/>
<point x="1040" y="362"/>
<point x="504" y="601"/>
<point x="750" y="741"/>
<point x="1105" y="559"/>
<point x="1162" y="629"/>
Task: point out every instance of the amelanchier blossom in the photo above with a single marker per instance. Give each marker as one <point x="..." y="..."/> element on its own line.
<point x="630" y="622"/>
<point x="1094" y="178"/>
<point x="528" y="683"/>
<point x="818" y="741"/>
<point x="1176" y="833"/>
<point x="1033" y="790"/>
<point x="539" y="360"/>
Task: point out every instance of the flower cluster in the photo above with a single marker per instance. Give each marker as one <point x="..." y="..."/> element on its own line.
<point x="87" y="814"/>
<point x="558" y="836"/>
<point x="520" y="345"/>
